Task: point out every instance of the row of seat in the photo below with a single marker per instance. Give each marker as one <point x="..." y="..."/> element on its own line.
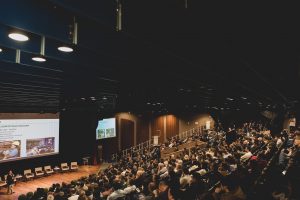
<point x="39" y="172"/>
<point x="48" y="170"/>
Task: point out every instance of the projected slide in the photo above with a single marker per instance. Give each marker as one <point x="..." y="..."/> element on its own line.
<point x="22" y="138"/>
<point x="106" y="128"/>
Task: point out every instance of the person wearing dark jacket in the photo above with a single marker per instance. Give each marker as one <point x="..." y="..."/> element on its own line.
<point x="10" y="182"/>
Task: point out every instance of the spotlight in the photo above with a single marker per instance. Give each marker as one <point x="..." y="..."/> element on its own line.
<point x="65" y="49"/>
<point x="18" y="37"/>
<point x="0" y="50"/>
<point x="38" y="59"/>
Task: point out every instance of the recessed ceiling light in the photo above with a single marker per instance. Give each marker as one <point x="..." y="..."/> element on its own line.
<point x="0" y="50"/>
<point x="82" y="98"/>
<point x="38" y="59"/>
<point x="104" y="98"/>
<point x="248" y="103"/>
<point x="229" y="99"/>
<point x="65" y="49"/>
<point x="244" y="98"/>
<point x="18" y="37"/>
<point x="148" y="103"/>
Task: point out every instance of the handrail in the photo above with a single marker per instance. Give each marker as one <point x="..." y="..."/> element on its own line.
<point x="265" y="170"/>
<point x="149" y="143"/>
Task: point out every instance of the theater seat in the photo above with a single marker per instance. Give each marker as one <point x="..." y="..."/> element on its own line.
<point x="64" y="167"/>
<point x="28" y="174"/>
<point x="48" y="169"/>
<point x="74" y="166"/>
<point x="39" y="171"/>
<point x="2" y="183"/>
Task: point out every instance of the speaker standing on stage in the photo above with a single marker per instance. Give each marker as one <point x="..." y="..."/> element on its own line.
<point x="10" y="182"/>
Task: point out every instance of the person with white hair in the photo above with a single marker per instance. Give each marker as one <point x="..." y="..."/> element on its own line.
<point x="50" y="197"/>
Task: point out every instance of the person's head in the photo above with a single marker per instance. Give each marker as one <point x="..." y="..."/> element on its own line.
<point x="50" y="197"/>
<point x="10" y="172"/>
<point x="151" y="187"/>
<point x="162" y="186"/>
<point x="29" y="195"/>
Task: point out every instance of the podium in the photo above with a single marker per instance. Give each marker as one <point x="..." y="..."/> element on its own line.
<point x="85" y="160"/>
<point x="99" y="151"/>
<point x="155" y="140"/>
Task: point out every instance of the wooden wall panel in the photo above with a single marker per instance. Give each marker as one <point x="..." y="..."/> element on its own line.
<point x="29" y="116"/>
<point x="157" y="128"/>
<point x="142" y="133"/>
<point x="127" y="133"/>
<point x="172" y="124"/>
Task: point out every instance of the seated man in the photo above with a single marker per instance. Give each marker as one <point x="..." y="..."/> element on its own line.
<point x="117" y="193"/>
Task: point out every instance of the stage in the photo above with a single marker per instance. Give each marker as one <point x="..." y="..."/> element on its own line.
<point x="47" y="181"/>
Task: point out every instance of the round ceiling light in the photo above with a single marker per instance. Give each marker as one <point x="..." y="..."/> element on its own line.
<point x="0" y="50"/>
<point x="38" y="59"/>
<point x="65" y="49"/>
<point x="18" y="37"/>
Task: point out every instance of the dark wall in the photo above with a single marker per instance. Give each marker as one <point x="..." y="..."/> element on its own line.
<point x="78" y="134"/>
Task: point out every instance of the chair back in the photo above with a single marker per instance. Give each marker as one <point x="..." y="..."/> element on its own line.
<point x="27" y="171"/>
<point x="64" y="165"/>
<point x="73" y="163"/>
<point x="48" y="167"/>
<point x="38" y="169"/>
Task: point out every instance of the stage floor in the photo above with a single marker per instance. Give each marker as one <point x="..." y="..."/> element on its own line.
<point x="46" y="182"/>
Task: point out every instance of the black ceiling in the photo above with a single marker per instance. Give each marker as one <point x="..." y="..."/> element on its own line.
<point x="171" y="56"/>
